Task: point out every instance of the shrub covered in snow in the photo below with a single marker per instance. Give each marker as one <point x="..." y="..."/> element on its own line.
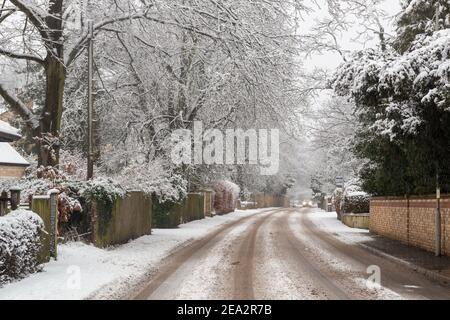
<point x="358" y="202"/>
<point x="225" y="195"/>
<point x="96" y="189"/>
<point x="20" y="242"/>
<point x="165" y="214"/>
<point x="166" y="184"/>
<point x="29" y="186"/>
<point x="354" y="200"/>
<point x="104" y="192"/>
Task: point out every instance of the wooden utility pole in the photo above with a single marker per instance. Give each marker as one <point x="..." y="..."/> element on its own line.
<point x="438" y="13"/>
<point x="90" y="165"/>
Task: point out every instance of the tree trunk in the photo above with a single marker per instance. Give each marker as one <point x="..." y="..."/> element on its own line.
<point x="55" y="72"/>
<point x="51" y="115"/>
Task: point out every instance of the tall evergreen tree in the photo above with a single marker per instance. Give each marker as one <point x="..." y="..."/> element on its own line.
<point x="420" y="18"/>
<point x="403" y="97"/>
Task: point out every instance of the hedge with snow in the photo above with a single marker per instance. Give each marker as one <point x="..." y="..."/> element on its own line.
<point x="354" y="200"/>
<point x="225" y="195"/>
<point x="20" y="242"/>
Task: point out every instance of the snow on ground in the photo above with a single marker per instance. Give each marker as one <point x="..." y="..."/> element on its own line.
<point x="319" y="253"/>
<point x="288" y="284"/>
<point x="206" y="282"/>
<point x="83" y="270"/>
<point x="328" y="222"/>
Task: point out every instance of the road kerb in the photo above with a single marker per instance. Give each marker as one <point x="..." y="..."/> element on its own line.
<point x="428" y="273"/>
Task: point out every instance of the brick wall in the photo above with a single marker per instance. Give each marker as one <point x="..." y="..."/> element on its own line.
<point x="445" y="211"/>
<point x="411" y="221"/>
<point x="11" y="171"/>
<point x="389" y="218"/>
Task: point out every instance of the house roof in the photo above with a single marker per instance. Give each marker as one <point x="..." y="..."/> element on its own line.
<point x="10" y="157"/>
<point x="8" y="133"/>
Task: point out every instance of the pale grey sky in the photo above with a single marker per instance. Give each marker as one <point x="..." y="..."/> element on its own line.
<point x="332" y="60"/>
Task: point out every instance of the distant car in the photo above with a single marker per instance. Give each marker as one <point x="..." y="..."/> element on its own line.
<point x="307" y="204"/>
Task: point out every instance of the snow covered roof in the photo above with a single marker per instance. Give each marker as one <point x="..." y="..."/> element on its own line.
<point x="9" y="156"/>
<point x="8" y="133"/>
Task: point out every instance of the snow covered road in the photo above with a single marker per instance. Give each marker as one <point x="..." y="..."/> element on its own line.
<point x="85" y="272"/>
<point x="284" y="254"/>
<point x="255" y="254"/>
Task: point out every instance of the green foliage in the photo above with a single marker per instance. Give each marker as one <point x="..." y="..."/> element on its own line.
<point x="402" y="103"/>
<point x="409" y="164"/>
<point x="104" y="193"/>
<point x="165" y="215"/>
<point x="419" y="19"/>
<point x="104" y="206"/>
<point x="169" y="214"/>
<point x="356" y="203"/>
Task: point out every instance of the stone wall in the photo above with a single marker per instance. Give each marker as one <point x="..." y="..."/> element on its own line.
<point x="358" y="221"/>
<point x="11" y="171"/>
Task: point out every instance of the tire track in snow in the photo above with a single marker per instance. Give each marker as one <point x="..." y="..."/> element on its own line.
<point x="275" y="277"/>
<point x="244" y="263"/>
<point x="185" y="261"/>
<point x="325" y="284"/>
<point x="210" y="269"/>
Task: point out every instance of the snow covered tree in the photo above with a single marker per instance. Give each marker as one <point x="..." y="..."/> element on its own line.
<point x="46" y="40"/>
<point x="402" y="100"/>
<point x="420" y="18"/>
<point x="333" y="129"/>
<point x="160" y="65"/>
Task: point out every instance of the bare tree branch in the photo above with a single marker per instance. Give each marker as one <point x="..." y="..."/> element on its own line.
<point x="36" y="19"/>
<point x="21" y="56"/>
<point x="9" y="12"/>
<point x="19" y="107"/>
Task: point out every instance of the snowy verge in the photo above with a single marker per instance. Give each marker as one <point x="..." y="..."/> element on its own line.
<point x="84" y="271"/>
<point x="328" y="222"/>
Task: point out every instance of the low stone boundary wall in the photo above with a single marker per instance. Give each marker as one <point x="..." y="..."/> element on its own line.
<point x="411" y="221"/>
<point x="358" y="221"/>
